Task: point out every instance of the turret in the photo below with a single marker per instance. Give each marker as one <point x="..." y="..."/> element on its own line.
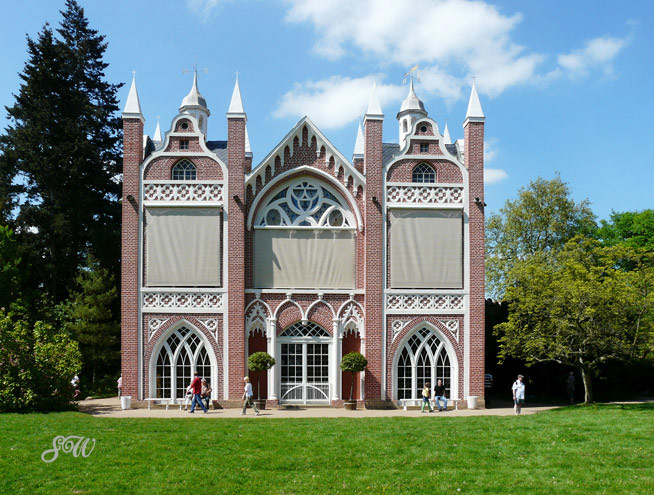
<point x="412" y="109"/>
<point x="194" y="104"/>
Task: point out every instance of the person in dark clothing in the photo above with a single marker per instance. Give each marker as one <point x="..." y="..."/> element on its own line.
<point x="439" y="395"/>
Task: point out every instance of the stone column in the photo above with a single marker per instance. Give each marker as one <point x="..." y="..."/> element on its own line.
<point x="336" y="360"/>
<point x="273" y="373"/>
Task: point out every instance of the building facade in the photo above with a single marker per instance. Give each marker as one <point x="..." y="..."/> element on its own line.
<point x="307" y="256"/>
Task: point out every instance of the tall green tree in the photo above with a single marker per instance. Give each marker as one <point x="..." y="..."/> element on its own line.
<point x="90" y="317"/>
<point x="10" y="269"/>
<point x="542" y="218"/>
<point x="633" y="228"/>
<point x="62" y="151"/>
<point x="579" y="308"/>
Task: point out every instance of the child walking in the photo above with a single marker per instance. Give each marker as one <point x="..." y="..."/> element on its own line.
<point x="426" y="396"/>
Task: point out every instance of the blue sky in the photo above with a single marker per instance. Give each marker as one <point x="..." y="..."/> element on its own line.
<point x="565" y="86"/>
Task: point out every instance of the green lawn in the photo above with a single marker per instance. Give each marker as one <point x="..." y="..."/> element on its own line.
<point x="598" y="449"/>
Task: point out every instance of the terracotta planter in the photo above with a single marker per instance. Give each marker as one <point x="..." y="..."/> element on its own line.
<point x="351" y="405"/>
<point x="260" y="403"/>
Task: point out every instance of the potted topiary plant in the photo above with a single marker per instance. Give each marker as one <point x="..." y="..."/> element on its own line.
<point x="260" y="361"/>
<point x="354" y="362"/>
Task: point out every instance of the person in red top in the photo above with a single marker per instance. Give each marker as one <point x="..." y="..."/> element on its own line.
<point x="196" y="386"/>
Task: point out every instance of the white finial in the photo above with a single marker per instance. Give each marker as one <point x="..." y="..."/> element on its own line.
<point x="157" y="132"/>
<point x="359" y="144"/>
<point x="374" y="106"/>
<point x="236" y="105"/>
<point x="247" y="142"/>
<point x="446" y="135"/>
<point x="194" y="98"/>
<point x="133" y="106"/>
<point x="474" y="106"/>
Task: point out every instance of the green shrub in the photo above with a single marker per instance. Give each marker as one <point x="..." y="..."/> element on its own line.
<point x="260" y="361"/>
<point x="37" y="363"/>
<point x="354" y="362"/>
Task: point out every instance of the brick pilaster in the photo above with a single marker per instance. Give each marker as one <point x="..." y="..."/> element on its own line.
<point x="236" y="255"/>
<point x="474" y="161"/>
<point x="132" y="157"/>
<point x="373" y="273"/>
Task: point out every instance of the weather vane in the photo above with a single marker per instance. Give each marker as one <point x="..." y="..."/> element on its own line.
<point x="413" y="73"/>
<point x="195" y="68"/>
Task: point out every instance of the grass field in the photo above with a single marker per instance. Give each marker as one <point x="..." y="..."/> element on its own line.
<point x="580" y="450"/>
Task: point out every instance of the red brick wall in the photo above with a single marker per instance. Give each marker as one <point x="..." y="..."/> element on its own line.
<point x="446" y="172"/>
<point x="132" y="156"/>
<point x="373" y="258"/>
<point x="236" y="255"/>
<point x="474" y="157"/>
<point x="161" y="168"/>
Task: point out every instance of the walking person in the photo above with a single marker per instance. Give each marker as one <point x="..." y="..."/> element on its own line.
<point x="439" y="395"/>
<point x="188" y="398"/>
<point x="120" y="385"/>
<point x="570" y="387"/>
<point x="247" y="397"/>
<point x="196" y="388"/>
<point x="75" y="383"/>
<point x="518" y="394"/>
<point x="206" y="392"/>
<point x="426" y="396"/>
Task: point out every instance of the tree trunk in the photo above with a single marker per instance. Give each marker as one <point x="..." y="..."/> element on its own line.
<point x="258" y="388"/>
<point x="352" y="386"/>
<point x="588" y="388"/>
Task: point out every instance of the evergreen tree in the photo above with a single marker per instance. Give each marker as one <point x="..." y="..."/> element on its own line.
<point x="89" y="317"/>
<point x="62" y="149"/>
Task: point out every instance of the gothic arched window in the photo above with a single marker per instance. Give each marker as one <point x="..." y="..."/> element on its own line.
<point x="183" y="353"/>
<point x="424" y="173"/>
<point x="184" y="170"/>
<point x="423" y="358"/>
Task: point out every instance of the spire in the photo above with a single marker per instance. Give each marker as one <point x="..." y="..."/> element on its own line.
<point x="133" y="106"/>
<point x="194" y="98"/>
<point x="412" y="104"/>
<point x="446" y="135"/>
<point x="374" y="106"/>
<point x="236" y="105"/>
<point x="359" y="144"/>
<point x="248" y="150"/>
<point x="157" y="133"/>
<point x="474" y="113"/>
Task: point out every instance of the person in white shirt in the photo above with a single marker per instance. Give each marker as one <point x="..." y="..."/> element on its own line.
<point x="518" y="394"/>
<point x="247" y="397"/>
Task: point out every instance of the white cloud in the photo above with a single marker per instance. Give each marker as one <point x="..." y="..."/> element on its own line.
<point x="445" y="37"/>
<point x="596" y="53"/>
<point x="335" y="102"/>
<point x="494" y="175"/>
<point x="203" y="8"/>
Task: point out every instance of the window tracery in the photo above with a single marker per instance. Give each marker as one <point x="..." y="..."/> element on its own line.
<point x="184" y="170"/>
<point x="305" y="203"/>
<point x="424" y="173"/>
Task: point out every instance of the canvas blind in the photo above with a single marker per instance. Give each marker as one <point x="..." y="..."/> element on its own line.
<point x="182" y="247"/>
<point x="304" y="259"/>
<point x="426" y="249"/>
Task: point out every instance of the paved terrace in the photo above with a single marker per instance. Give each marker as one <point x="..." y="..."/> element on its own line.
<point x="110" y="408"/>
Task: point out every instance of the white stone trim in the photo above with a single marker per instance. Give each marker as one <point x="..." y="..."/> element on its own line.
<point x="183" y="192"/>
<point x="425" y="303"/>
<point x="340" y="162"/>
<point x="155" y="324"/>
<point x="182" y="301"/>
<point x="423" y="194"/>
<point x="211" y="324"/>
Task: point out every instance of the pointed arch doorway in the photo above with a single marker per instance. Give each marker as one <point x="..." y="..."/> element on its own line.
<point x="304" y="350"/>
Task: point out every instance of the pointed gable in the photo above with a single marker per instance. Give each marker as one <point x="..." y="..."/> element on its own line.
<point x="340" y="162"/>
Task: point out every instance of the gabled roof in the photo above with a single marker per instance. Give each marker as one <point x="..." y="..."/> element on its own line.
<point x="340" y="162"/>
